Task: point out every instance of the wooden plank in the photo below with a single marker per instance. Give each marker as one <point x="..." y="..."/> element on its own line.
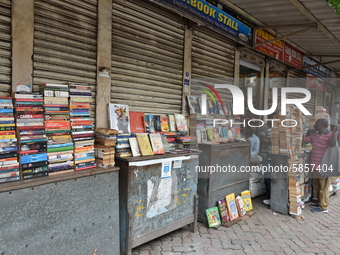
<point x="251" y="213"/>
<point x="236" y="221"/>
<point x="10" y="186"/>
<point x="104" y="50"/>
<point x="22" y="34"/>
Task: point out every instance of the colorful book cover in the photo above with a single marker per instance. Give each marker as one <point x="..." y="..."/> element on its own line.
<point x="158" y="125"/>
<point x="181" y="122"/>
<point x="210" y="134"/>
<point x="172" y="122"/>
<point x="144" y="144"/>
<point x="137" y="122"/>
<point x="213" y="217"/>
<point x="231" y="205"/>
<point x="204" y="135"/>
<point x="240" y="206"/>
<point x="222" y="207"/>
<point x="164" y="123"/>
<point x="193" y="104"/>
<point x="156" y="142"/>
<point x="150" y="123"/>
<point x="119" y="117"/>
<point x="246" y="196"/>
<point x="134" y="147"/>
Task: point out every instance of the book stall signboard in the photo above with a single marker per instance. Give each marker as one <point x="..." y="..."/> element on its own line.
<point x="314" y="68"/>
<point x="273" y="49"/>
<point x="292" y="56"/>
<point x="278" y="49"/>
<point x="211" y="17"/>
<point x="314" y="82"/>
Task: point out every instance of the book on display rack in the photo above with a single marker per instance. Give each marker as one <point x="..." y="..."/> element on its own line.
<point x="9" y="165"/>
<point x="58" y="128"/>
<point x="32" y="142"/>
<point x="82" y="126"/>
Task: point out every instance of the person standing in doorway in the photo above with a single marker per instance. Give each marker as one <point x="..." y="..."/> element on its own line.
<point x="321" y="140"/>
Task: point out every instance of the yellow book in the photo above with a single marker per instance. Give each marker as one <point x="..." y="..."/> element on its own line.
<point x="247" y="200"/>
<point x="144" y="144"/>
<point x="7" y="136"/>
<point x="231" y="205"/>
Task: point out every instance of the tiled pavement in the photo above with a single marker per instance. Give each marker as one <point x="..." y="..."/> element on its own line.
<point x="264" y="233"/>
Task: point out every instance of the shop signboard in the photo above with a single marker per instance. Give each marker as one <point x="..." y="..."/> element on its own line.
<point x="292" y="56"/>
<point x="273" y="49"/>
<point x="212" y="17"/>
<point x="318" y="71"/>
<point x="314" y="82"/>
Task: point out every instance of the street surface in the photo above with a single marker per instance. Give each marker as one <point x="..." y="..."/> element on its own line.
<point x="264" y="233"/>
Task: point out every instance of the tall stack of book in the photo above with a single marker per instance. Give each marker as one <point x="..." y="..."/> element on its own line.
<point x="275" y="137"/>
<point x="82" y="126"/>
<point x="299" y="130"/>
<point x="58" y="128"/>
<point x="9" y="165"/>
<point x="104" y="147"/>
<point x="294" y="188"/>
<point x="31" y="133"/>
<point x="321" y="113"/>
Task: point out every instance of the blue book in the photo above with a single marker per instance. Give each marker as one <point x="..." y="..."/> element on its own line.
<point x="7" y="122"/>
<point x="6" y="110"/>
<point x="33" y="141"/>
<point x="59" y="145"/>
<point x="10" y="148"/>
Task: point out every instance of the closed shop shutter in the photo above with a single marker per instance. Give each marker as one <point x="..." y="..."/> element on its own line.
<point x="213" y="60"/>
<point x="65" y="43"/>
<point x="297" y="78"/>
<point x="319" y="98"/>
<point x="5" y="47"/>
<point x="147" y="57"/>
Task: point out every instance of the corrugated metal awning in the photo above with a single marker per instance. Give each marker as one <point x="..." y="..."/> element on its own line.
<point x="325" y="40"/>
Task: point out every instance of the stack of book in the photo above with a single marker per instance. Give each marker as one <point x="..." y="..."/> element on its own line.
<point x="275" y="137"/>
<point x="31" y="133"/>
<point x="335" y="182"/>
<point x="321" y="113"/>
<point x="82" y="126"/>
<point x="298" y="131"/>
<point x="104" y="147"/>
<point x="294" y="188"/>
<point x="58" y="128"/>
<point x="122" y="148"/>
<point x="9" y="165"/>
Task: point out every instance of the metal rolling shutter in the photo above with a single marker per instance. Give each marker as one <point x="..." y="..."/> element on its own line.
<point x="297" y="78"/>
<point x="319" y="98"/>
<point x="5" y="47"/>
<point x="147" y="57"/>
<point x="212" y="61"/>
<point x="65" y="43"/>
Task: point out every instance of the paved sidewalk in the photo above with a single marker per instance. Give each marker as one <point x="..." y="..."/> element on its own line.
<point x="264" y="233"/>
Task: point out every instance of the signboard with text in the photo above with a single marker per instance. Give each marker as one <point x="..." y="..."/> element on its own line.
<point x="211" y="17"/>
<point x="273" y="49"/>
<point x="318" y="71"/>
<point x="292" y="56"/>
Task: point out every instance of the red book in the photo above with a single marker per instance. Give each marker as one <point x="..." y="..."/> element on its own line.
<point x="137" y="122"/>
<point x="31" y="127"/>
<point x="28" y="100"/>
<point x="30" y="116"/>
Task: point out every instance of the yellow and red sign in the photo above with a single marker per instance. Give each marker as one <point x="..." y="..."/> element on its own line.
<point x="278" y="49"/>
<point x="273" y="49"/>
